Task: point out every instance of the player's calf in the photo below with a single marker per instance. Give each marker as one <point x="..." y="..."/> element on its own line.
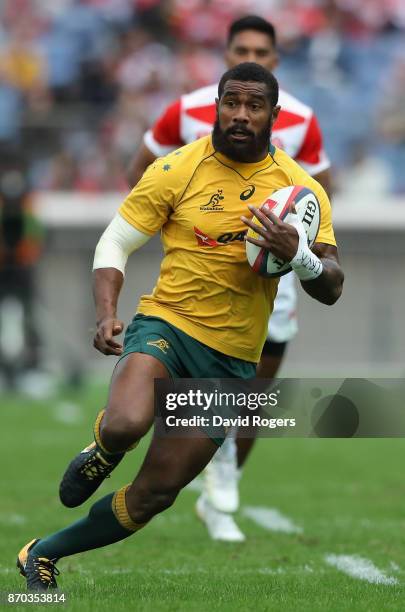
<point x="145" y="500"/>
<point x="221" y="478"/>
<point x="88" y="470"/>
<point x="169" y="466"/>
<point x="119" y="432"/>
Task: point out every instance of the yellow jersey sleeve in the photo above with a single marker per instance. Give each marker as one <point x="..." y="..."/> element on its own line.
<point x="151" y="202"/>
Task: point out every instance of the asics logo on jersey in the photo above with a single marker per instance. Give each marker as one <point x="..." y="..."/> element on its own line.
<point x="214" y="203"/>
<point x="245" y="195"/>
<point x="161" y="344"/>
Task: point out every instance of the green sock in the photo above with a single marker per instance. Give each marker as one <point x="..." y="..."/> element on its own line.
<point x="98" y="529"/>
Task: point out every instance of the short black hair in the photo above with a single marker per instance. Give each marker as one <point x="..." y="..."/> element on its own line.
<point x="249" y="71"/>
<point x="252" y="22"/>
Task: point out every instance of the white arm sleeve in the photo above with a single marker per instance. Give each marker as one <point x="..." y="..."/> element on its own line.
<point x="118" y="241"/>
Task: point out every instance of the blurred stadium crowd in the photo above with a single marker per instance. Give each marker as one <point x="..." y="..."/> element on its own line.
<point x="80" y="80"/>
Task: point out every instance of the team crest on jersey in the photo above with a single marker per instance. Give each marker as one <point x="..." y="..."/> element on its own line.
<point x="161" y="344"/>
<point x="214" y="203"/>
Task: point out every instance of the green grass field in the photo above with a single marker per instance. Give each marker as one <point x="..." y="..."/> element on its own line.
<point x="347" y="496"/>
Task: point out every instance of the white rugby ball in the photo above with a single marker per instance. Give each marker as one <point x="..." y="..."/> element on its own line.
<point x="280" y="202"/>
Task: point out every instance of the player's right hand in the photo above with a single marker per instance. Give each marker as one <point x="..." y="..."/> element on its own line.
<point x="103" y="339"/>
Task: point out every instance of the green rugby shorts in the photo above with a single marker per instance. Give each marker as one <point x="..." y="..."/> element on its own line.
<point x="183" y="356"/>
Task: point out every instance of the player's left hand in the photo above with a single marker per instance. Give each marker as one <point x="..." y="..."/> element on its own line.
<point x="280" y="238"/>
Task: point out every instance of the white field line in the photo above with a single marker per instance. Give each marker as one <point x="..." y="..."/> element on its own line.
<point x="12" y="519"/>
<point x="271" y="519"/>
<point x="298" y="570"/>
<point x="67" y="413"/>
<point x="265" y="571"/>
<point x="361" y="568"/>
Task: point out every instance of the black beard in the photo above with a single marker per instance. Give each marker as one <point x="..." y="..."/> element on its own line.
<point x="246" y="152"/>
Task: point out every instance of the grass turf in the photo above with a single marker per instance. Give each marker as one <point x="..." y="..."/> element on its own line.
<point x="347" y="495"/>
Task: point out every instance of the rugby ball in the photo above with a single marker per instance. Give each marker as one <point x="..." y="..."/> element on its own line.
<point x="280" y="203"/>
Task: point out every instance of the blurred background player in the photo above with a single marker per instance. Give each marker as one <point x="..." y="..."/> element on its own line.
<point x="250" y="38"/>
<point x="20" y="248"/>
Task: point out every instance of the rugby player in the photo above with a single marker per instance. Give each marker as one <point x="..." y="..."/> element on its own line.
<point x="297" y="131"/>
<point x="207" y="316"/>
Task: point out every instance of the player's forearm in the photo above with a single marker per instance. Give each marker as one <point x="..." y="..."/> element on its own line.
<point x="318" y="269"/>
<point x="118" y="241"/>
<point x="107" y="284"/>
<point x="326" y="288"/>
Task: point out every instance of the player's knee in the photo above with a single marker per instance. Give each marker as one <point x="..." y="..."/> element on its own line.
<point x="144" y="502"/>
<point x="121" y="431"/>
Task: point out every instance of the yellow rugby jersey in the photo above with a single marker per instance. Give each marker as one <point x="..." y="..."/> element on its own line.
<point x="206" y="287"/>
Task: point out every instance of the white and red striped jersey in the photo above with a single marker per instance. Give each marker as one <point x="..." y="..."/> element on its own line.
<point x="296" y="130"/>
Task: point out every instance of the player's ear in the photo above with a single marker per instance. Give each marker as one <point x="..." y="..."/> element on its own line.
<point x="274" y="113"/>
<point x="216" y="103"/>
